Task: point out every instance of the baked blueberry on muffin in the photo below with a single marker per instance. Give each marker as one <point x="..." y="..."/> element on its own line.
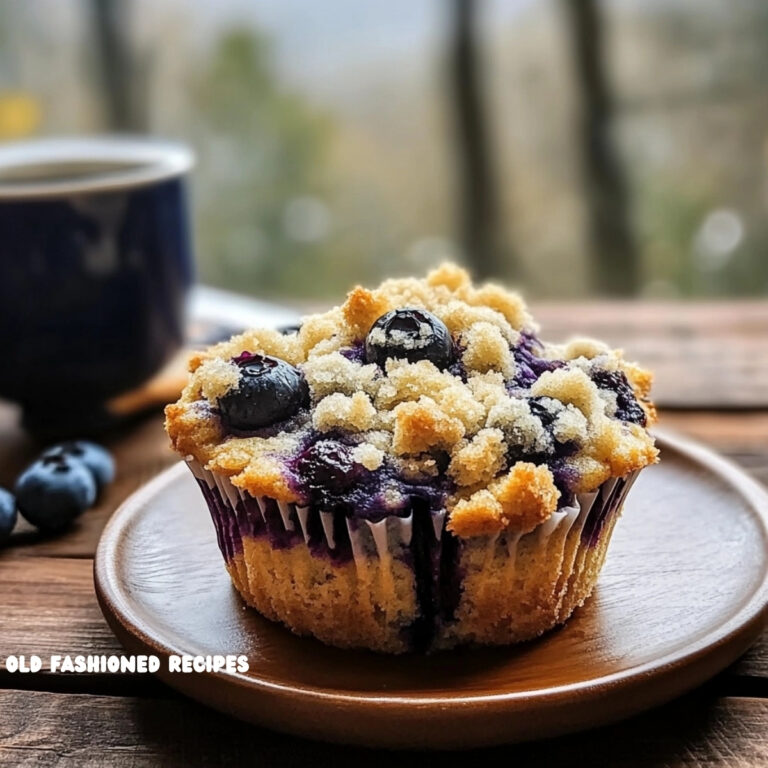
<point x="414" y="469"/>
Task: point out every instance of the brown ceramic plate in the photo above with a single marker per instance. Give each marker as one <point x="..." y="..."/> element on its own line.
<point x="683" y="593"/>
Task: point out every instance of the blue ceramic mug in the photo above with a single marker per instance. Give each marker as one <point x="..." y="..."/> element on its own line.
<point x="95" y="262"/>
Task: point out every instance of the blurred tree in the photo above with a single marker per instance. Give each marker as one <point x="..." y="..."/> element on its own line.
<point x="694" y="116"/>
<point x="614" y="257"/>
<point x="125" y="106"/>
<point x="478" y="195"/>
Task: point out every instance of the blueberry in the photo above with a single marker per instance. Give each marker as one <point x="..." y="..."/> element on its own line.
<point x="328" y="465"/>
<point x="7" y="514"/>
<point x="270" y="390"/>
<point x="627" y="407"/>
<point x="54" y="490"/>
<point x="97" y="459"/>
<point x="412" y="334"/>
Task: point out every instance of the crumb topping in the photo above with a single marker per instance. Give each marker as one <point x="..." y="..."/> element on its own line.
<point x="332" y="373"/>
<point x="479" y="460"/>
<point x="510" y="429"/>
<point x="424" y="426"/>
<point x="520" y="500"/>
<point x="368" y="455"/>
<point x="217" y="377"/>
<point x="339" y="411"/>
<point x="487" y="349"/>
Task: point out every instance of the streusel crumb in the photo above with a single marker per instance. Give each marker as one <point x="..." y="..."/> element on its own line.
<point x="520" y="500"/>
<point x="424" y="426"/>
<point x="480" y="459"/>
<point x="368" y="455"/>
<point x="338" y="411"/>
<point x="486" y="349"/>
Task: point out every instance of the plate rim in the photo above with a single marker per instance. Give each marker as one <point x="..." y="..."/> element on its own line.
<point x="726" y="640"/>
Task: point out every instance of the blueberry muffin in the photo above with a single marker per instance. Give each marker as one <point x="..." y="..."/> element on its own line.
<point x="414" y="469"/>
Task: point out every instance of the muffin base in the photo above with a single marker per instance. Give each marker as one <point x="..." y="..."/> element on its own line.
<point x="542" y="576"/>
<point x="289" y="564"/>
<point x="344" y="605"/>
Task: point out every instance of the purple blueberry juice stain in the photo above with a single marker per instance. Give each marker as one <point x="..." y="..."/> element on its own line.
<point x="606" y="503"/>
<point x="627" y="406"/>
<point x="565" y="477"/>
<point x="278" y="535"/>
<point x="325" y="476"/>
<point x="224" y="521"/>
<point x="425" y="554"/>
<point x="328" y="471"/>
<point x="457" y="367"/>
<point x="354" y="353"/>
<point x="450" y="578"/>
<point x="528" y="362"/>
<point x="249" y="517"/>
<point x="341" y="552"/>
<point x="214" y="516"/>
<point x="437" y="576"/>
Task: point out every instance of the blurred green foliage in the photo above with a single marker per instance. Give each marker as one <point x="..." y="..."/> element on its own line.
<point x="273" y="213"/>
<point x="260" y="148"/>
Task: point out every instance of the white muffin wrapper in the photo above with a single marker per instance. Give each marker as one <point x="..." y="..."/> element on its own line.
<point x="392" y="535"/>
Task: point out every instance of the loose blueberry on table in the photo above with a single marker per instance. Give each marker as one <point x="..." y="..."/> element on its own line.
<point x="8" y="514"/>
<point x="54" y="490"/>
<point x="97" y="459"/>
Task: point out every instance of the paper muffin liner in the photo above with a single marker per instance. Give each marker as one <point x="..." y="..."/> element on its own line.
<point x="572" y="539"/>
<point x="237" y="514"/>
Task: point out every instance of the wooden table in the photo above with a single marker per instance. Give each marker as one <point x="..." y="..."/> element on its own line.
<point x="712" y="368"/>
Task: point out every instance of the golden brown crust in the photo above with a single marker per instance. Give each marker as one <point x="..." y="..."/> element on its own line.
<point x="422" y="426"/>
<point x="265" y="479"/>
<point x="410" y="414"/>
<point x="480" y="459"/>
<point x="189" y="430"/>
<point x="520" y="500"/>
<point x="362" y="308"/>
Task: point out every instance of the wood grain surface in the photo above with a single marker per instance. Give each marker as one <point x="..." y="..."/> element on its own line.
<point x="70" y="731"/>
<point x="724" y="724"/>
<point x="712" y="355"/>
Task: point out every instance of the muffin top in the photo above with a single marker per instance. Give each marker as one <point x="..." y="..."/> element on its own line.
<point x="425" y="392"/>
